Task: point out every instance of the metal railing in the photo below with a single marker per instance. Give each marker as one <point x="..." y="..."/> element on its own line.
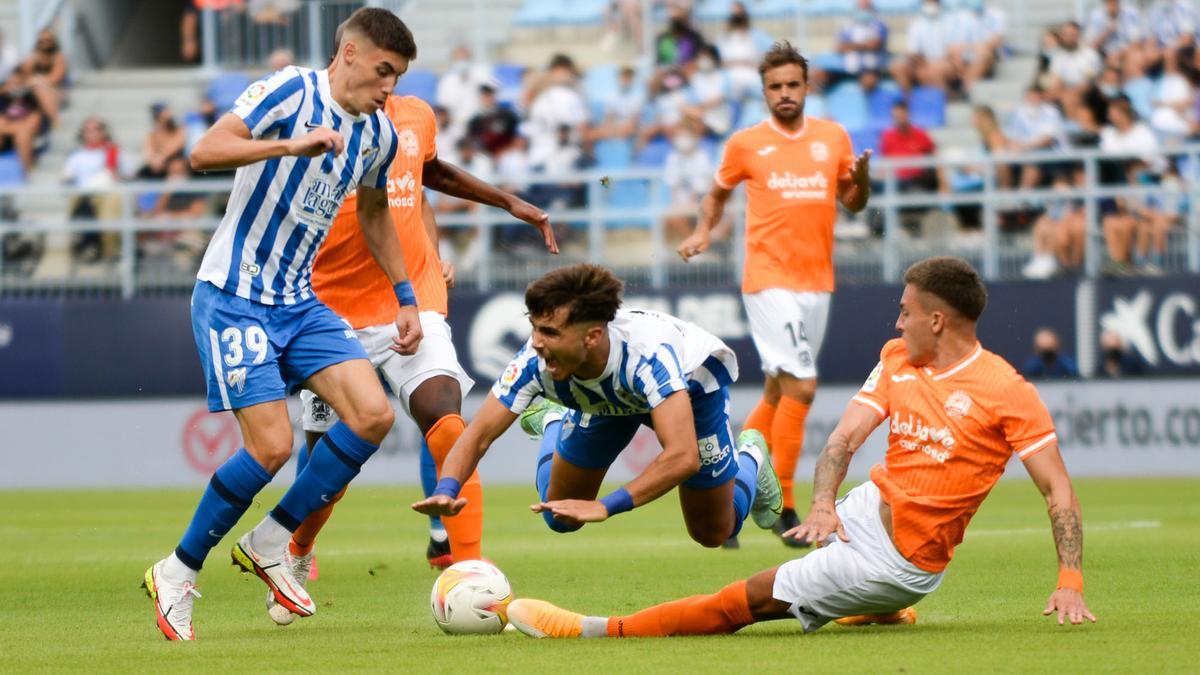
<point x="632" y="238"/>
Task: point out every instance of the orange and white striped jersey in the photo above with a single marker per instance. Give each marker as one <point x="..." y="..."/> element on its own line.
<point x="791" y="201"/>
<point x="345" y="275"/>
<point x="950" y="435"/>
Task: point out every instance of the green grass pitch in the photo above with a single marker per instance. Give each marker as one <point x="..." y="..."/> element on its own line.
<point x="72" y="561"/>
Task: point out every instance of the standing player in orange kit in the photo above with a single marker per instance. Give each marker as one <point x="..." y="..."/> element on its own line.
<point x="797" y="170"/>
<point x="430" y="383"/>
<point x="956" y="413"/>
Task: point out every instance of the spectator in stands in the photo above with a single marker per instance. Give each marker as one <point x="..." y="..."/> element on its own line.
<point x="1083" y="130"/>
<point x="1073" y="68"/>
<point x="467" y="155"/>
<point x="741" y="48"/>
<point x="1173" y="97"/>
<point x="1048" y="362"/>
<point x="1173" y="25"/>
<point x="164" y="141"/>
<point x="46" y="70"/>
<point x="513" y="168"/>
<point x="622" y="109"/>
<point x="992" y="141"/>
<point x="556" y="102"/>
<point x="862" y="41"/>
<point x="975" y="36"/>
<point x="178" y="204"/>
<point x="1117" y="360"/>
<point x="622" y="20"/>
<point x="710" y="94"/>
<point x="688" y="175"/>
<point x="1157" y="213"/>
<point x="278" y="12"/>
<point x="21" y="118"/>
<point x="188" y="245"/>
<point x="96" y="165"/>
<point x="927" y="60"/>
<point x="1035" y="126"/>
<point x="458" y="90"/>
<point x="445" y="146"/>
<point x="279" y="59"/>
<point x="493" y="127"/>
<point x="564" y="157"/>
<point x="1126" y="135"/>
<point x="9" y="57"/>
<point x="904" y="139"/>
<point x="1059" y="235"/>
<point x="669" y="100"/>
<point x="1105" y="90"/>
<point x="1113" y="29"/>
<point x="680" y="43"/>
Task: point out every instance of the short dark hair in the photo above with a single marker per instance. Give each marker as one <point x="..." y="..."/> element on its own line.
<point x="782" y="54"/>
<point x="592" y="292"/>
<point x="383" y="28"/>
<point x="953" y="280"/>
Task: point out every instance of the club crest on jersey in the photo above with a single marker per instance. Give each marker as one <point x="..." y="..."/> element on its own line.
<point x="820" y="151"/>
<point x="236" y="379"/>
<point x="322" y="199"/>
<point x="958" y="405"/>
<point x="408" y="142"/>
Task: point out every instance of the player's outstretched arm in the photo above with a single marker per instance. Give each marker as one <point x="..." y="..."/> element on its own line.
<point x="229" y="145"/>
<point x="489" y="422"/>
<point x="852" y="431"/>
<point x="855" y="190"/>
<point x="375" y="220"/>
<point x="676" y="431"/>
<point x="712" y="209"/>
<point x="1066" y="522"/>
<point x="449" y="179"/>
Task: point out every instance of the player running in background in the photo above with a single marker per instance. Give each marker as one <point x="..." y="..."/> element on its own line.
<point x="300" y="140"/>
<point x="430" y="383"/>
<point x="956" y="413"/>
<point x="797" y="169"/>
<point x="615" y="370"/>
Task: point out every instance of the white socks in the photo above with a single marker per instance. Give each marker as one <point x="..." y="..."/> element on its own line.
<point x="176" y="572"/>
<point x="269" y="538"/>
<point x="595" y="626"/>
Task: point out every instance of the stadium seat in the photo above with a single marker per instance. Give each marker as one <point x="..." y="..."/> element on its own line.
<point x="510" y="76"/>
<point x="582" y="12"/>
<point x="1141" y="94"/>
<point x="600" y="82"/>
<point x="612" y="153"/>
<point x="713" y="10"/>
<point x="11" y="170"/>
<point x="773" y="9"/>
<point x="536" y="13"/>
<point x="226" y="89"/>
<point x="864" y="139"/>
<point x="419" y="83"/>
<point x="828" y="7"/>
<point x="897" y="6"/>
<point x="816" y="105"/>
<point x="633" y="195"/>
<point x="927" y="107"/>
<point x="847" y="104"/>
<point x="654" y="154"/>
<point x="879" y="107"/>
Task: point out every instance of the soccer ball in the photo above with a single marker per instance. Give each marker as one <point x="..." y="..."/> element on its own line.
<point x="471" y="598"/>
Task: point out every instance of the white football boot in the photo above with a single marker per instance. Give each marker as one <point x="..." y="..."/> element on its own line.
<point x="300" y="568"/>
<point x="172" y="603"/>
<point x="276" y="574"/>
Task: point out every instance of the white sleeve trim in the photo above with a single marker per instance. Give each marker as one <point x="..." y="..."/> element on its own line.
<point x="1036" y="445"/>
<point x="868" y="402"/>
<point x="722" y="184"/>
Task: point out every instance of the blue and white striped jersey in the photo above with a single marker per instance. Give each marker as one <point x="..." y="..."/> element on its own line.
<point x="281" y="209"/>
<point x="651" y="356"/>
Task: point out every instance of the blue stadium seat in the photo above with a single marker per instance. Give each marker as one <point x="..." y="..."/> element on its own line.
<point x="582" y="12"/>
<point x="11" y="171"/>
<point x="897" y="6"/>
<point x="629" y="194"/>
<point x="713" y="10"/>
<point x="510" y="76"/>
<point x="815" y="105"/>
<point x="419" y="83"/>
<point x="879" y="107"/>
<point x="225" y="90"/>
<point x="600" y="81"/>
<point x="828" y="7"/>
<point x="537" y="13"/>
<point x="654" y="154"/>
<point x="1141" y="94"/>
<point x="927" y="107"/>
<point x="613" y="153"/>
<point x="773" y="9"/>
<point x="864" y="139"/>
<point x="755" y="111"/>
<point x="146" y="201"/>
<point x="848" y="105"/>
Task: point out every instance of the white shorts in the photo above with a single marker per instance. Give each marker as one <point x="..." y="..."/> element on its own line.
<point x="865" y="576"/>
<point x="788" y="327"/>
<point x="403" y="374"/>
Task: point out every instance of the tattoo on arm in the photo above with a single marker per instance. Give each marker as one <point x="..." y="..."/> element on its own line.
<point x="1068" y="535"/>
<point x="831" y="469"/>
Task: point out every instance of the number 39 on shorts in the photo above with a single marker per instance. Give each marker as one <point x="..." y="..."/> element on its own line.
<point x="238" y="342"/>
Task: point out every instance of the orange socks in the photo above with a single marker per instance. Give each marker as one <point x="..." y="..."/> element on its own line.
<point x="761" y="419"/>
<point x="305" y="536"/>
<point x="723" y="612"/>
<point x="466" y="529"/>
<point x="787" y="439"/>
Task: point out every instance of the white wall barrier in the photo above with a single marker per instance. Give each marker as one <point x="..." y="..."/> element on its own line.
<point x="1131" y="428"/>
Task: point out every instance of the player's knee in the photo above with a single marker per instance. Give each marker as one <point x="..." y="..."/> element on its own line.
<point x="372" y="422"/>
<point x="272" y="451"/>
<point x="558" y="525"/>
<point x="801" y="390"/>
<point x="709" y="536"/>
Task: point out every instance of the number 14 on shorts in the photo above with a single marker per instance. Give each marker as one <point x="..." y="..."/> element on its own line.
<point x="795" y="331"/>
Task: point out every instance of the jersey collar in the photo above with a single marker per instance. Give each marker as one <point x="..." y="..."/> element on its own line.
<point x="779" y="130"/>
<point x="962" y="363"/>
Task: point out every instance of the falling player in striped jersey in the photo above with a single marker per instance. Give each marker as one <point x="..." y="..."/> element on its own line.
<point x="956" y="414"/>
<point x="301" y="140"/>
<point x="603" y="372"/>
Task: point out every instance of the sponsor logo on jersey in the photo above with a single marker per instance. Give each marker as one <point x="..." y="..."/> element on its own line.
<point x="903" y="378"/>
<point x="322" y="199"/>
<point x="791" y="186"/>
<point x="918" y="435"/>
<point x="402" y="191"/>
<point x="766" y="151"/>
<point x="712" y="453"/>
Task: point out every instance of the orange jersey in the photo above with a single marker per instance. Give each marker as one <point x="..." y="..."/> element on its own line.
<point x="950" y="435"/>
<point x="345" y="275"/>
<point x="791" y="201"/>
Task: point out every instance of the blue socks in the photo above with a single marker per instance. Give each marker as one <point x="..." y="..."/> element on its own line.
<point x="332" y="464"/>
<point x="745" y="485"/>
<point x="544" y="464"/>
<point x="429" y="480"/>
<point x="229" y="493"/>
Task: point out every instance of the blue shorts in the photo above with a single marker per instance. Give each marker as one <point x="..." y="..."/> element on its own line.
<point x="252" y="353"/>
<point x="593" y="442"/>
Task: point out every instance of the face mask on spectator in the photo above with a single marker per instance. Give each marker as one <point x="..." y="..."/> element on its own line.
<point x="1048" y="355"/>
<point x="685" y="143"/>
<point x="1109" y="91"/>
<point x="930" y="10"/>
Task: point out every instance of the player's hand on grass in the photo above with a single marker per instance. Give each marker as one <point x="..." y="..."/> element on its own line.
<point x="448" y="273"/>
<point x="440" y="505"/>
<point x="408" y="331"/>
<point x="1068" y="603"/>
<point x="694" y="245"/>
<point x="574" y="512"/>
<point x="536" y="217"/>
<point x="822" y="520"/>
<point x="318" y="142"/>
